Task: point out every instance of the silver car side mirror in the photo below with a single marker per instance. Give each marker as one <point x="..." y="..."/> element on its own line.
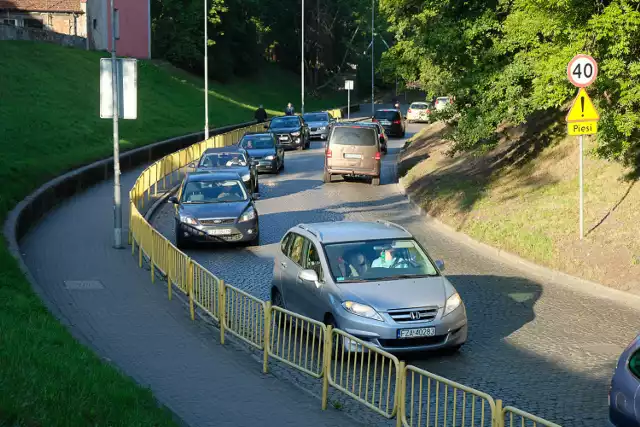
<point x="309" y="276"/>
<point x="440" y="265"/>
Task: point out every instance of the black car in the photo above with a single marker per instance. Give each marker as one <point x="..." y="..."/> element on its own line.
<point x="264" y="150"/>
<point x="229" y="160"/>
<point x="391" y="120"/>
<point x="215" y="207"/>
<point x="290" y="132"/>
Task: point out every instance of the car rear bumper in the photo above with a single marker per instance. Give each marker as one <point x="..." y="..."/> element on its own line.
<point x="238" y="232"/>
<point x="393" y="130"/>
<point x="346" y="171"/>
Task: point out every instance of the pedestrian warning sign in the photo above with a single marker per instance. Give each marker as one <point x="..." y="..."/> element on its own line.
<point x="582" y="109"/>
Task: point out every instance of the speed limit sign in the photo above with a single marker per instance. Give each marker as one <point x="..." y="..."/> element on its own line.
<point x="582" y="70"/>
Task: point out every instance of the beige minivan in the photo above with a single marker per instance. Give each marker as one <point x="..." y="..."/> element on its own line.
<point x="353" y="151"/>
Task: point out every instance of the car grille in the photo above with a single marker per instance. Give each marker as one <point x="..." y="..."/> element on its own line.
<point x="284" y="137"/>
<point x="412" y="342"/>
<point x="405" y="315"/>
<point x="217" y="221"/>
<point x="256" y="157"/>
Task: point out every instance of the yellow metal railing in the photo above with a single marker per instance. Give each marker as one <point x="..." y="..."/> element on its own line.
<point x="360" y="370"/>
<point x="433" y="401"/>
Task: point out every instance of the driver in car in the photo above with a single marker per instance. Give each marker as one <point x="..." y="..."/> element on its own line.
<point x="390" y="258"/>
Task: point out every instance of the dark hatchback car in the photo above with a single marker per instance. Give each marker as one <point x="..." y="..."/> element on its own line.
<point x="624" y="393"/>
<point x="384" y="139"/>
<point x="215" y="207"/>
<point x="264" y="150"/>
<point x="229" y="160"/>
<point x="290" y="132"/>
<point x="391" y="120"/>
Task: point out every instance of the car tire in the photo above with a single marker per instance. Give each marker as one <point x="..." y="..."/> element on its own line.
<point x="180" y="241"/>
<point x="257" y="189"/>
<point x="281" y="166"/>
<point x="403" y="133"/>
<point x="326" y="177"/>
<point x="300" y="147"/>
<point x="276" y="298"/>
<point x="375" y="181"/>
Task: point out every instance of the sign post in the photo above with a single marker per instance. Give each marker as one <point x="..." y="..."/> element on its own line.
<point x="583" y="117"/>
<point x="348" y="85"/>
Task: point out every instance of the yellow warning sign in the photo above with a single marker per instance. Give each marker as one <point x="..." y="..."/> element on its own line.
<point x="582" y="128"/>
<point x="582" y="109"/>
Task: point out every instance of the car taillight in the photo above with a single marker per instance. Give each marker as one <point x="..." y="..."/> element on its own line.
<point x="396" y="122"/>
<point x="377" y="156"/>
<point x="428" y="111"/>
<point x="329" y="154"/>
<point x="409" y="110"/>
<point x="374" y="120"/>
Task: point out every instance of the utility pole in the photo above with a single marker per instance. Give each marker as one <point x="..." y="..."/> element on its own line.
<point x="117" y="200"/>
<point x="302" y="62"/>
<point x="206" y="72"/>
<point x="373" y="110"/>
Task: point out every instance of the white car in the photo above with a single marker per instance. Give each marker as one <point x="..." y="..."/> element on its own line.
<point x="443" y="102"/>
<point x="419" y="112"/>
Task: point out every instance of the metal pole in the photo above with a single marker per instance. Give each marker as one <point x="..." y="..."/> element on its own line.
<point x="206" y="72"/>
<point x="117" y="201"/>
<point x="581" y="191"/>
<point x="302" y="62"/>
<point x="373" y="110"/>
<point x="348" y="104"/>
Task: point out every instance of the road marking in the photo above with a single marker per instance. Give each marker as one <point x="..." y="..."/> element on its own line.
<point x="83" y="285"/>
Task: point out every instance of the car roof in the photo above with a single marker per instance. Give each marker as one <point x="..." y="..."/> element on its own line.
<point x="269" y="134"/>
<point x="351" y="231"/>
<point x="211" y="176"/>
<point x="387" y="109"/>
<point x="316" y="112"/>
<point x="229" y="149"/>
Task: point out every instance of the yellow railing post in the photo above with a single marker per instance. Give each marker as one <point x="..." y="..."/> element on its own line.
<point x="401" y="386"/>
<point x="140" y="240"/>
<point x="267" y="335"/>
<point x="328" y="342"/>
<point x="152" y="252"/>
<point x="190" y="288"/>
<point x="222" y="307"/>
<point x="498" y="416"/>
<point x="169" y="268"/>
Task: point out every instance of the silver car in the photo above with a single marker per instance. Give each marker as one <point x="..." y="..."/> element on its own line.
<point x="319" y="124"/>
<point x="372" y="280"/>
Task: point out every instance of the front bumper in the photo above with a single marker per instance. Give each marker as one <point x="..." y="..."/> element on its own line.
<point x="268" y="165"/>
<point x="237" y="232"/>
<point x="289" y="141"/>
<point x="319" y="134"/>
<point x="450" y="331"/>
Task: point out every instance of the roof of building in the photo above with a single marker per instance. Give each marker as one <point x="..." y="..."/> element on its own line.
<point x="350" y="231"/>
<point x="42" y="5"/>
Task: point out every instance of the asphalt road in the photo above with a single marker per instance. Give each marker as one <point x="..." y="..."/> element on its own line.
<point x="540" y="346"/>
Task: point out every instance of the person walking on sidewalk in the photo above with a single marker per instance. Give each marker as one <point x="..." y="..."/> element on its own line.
<point x="289" y="111"/>
<point x="261" y="114"/>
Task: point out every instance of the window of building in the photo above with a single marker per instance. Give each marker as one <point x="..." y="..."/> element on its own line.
<point x="33" y="23"/>
<point x="95" y="24"/>
<point x="10" y="22"/>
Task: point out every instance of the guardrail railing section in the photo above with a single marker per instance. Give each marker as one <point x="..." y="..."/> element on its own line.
<point x="432" y="400"/>
<point x="514" y="417"/>
<point x="207" y="291"/>
<point x="244" y="316"/>
<point x="363" y="372"/>
<point x="297" y="341"/>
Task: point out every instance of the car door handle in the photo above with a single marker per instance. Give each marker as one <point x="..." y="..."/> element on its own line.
<point x="283" y="264"/>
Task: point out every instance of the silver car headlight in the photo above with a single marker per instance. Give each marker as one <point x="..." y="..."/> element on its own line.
<point x="453" y="302"/>
<point x="270" y="157"/>
<point x="295" y="133"/>
<point x="248" y="215"/>
<point x="362" y="310"/>
<point x="188" y="219"/>
<point x="322" y="128"/>
<point x="246" y="177"/>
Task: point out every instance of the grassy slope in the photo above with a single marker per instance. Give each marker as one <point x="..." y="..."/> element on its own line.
<point x="523" y="197"/>
<point x="49" y="123"/>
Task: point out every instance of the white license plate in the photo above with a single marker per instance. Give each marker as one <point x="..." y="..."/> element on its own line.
<point x="219" y="232"/>
<point x="283" y="138"/>
<point x="416" y="332"/>
<point x="385" y="122"/>
<point x="352" y="156"/>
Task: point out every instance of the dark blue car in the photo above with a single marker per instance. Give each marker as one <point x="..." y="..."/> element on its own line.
<point x="624" y="395"/>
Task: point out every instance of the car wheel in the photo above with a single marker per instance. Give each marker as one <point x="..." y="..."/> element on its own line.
<point x="402" y="134"/>
<point x="300" y="147"/>
<point x="282" y="165"/>
<point x="276" y="298"/>
<point x="180" y="241"/>
<point x="327" y="176"/>
<point x="375" y="180"/>
<point x="257" y="189"/>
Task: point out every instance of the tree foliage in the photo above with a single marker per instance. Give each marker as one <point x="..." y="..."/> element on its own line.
<point x="505" y="59"/>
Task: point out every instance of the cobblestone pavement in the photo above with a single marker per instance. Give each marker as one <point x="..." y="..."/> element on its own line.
<point x="539" y="346"/>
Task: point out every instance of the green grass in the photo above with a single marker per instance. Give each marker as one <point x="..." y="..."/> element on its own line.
<point x="49" y="124"/>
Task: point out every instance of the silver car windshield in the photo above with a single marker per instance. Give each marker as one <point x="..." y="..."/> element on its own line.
<point x="376" y="260"/>
<point x="213" y="192"/>
<point x="316" y="117"/>
<point x="219" y="160"/>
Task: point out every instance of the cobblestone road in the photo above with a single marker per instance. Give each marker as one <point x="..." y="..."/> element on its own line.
<point x="540" y="346"/>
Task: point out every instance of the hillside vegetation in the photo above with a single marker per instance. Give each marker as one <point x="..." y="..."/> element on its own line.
<point x="49" y="124"/>
<point x="522" y="196"/>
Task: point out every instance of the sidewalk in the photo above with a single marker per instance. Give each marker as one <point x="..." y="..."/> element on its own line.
<point x="130" y="322"/>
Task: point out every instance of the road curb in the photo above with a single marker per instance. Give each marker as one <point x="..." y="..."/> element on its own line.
<point x="515" y="261"/>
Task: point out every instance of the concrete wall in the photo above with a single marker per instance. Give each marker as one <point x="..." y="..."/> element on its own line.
<point x="73" y="24"/>
<point x="10" y="32"/>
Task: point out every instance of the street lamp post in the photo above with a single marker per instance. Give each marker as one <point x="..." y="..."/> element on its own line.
<point x="206" y="73"/>
<point x="302" y="62"/>
<point x="117" y="200"/>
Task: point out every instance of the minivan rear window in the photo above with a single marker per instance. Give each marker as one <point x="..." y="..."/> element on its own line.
<point x="353" y="136"/>
<point x="386" y="115"/>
